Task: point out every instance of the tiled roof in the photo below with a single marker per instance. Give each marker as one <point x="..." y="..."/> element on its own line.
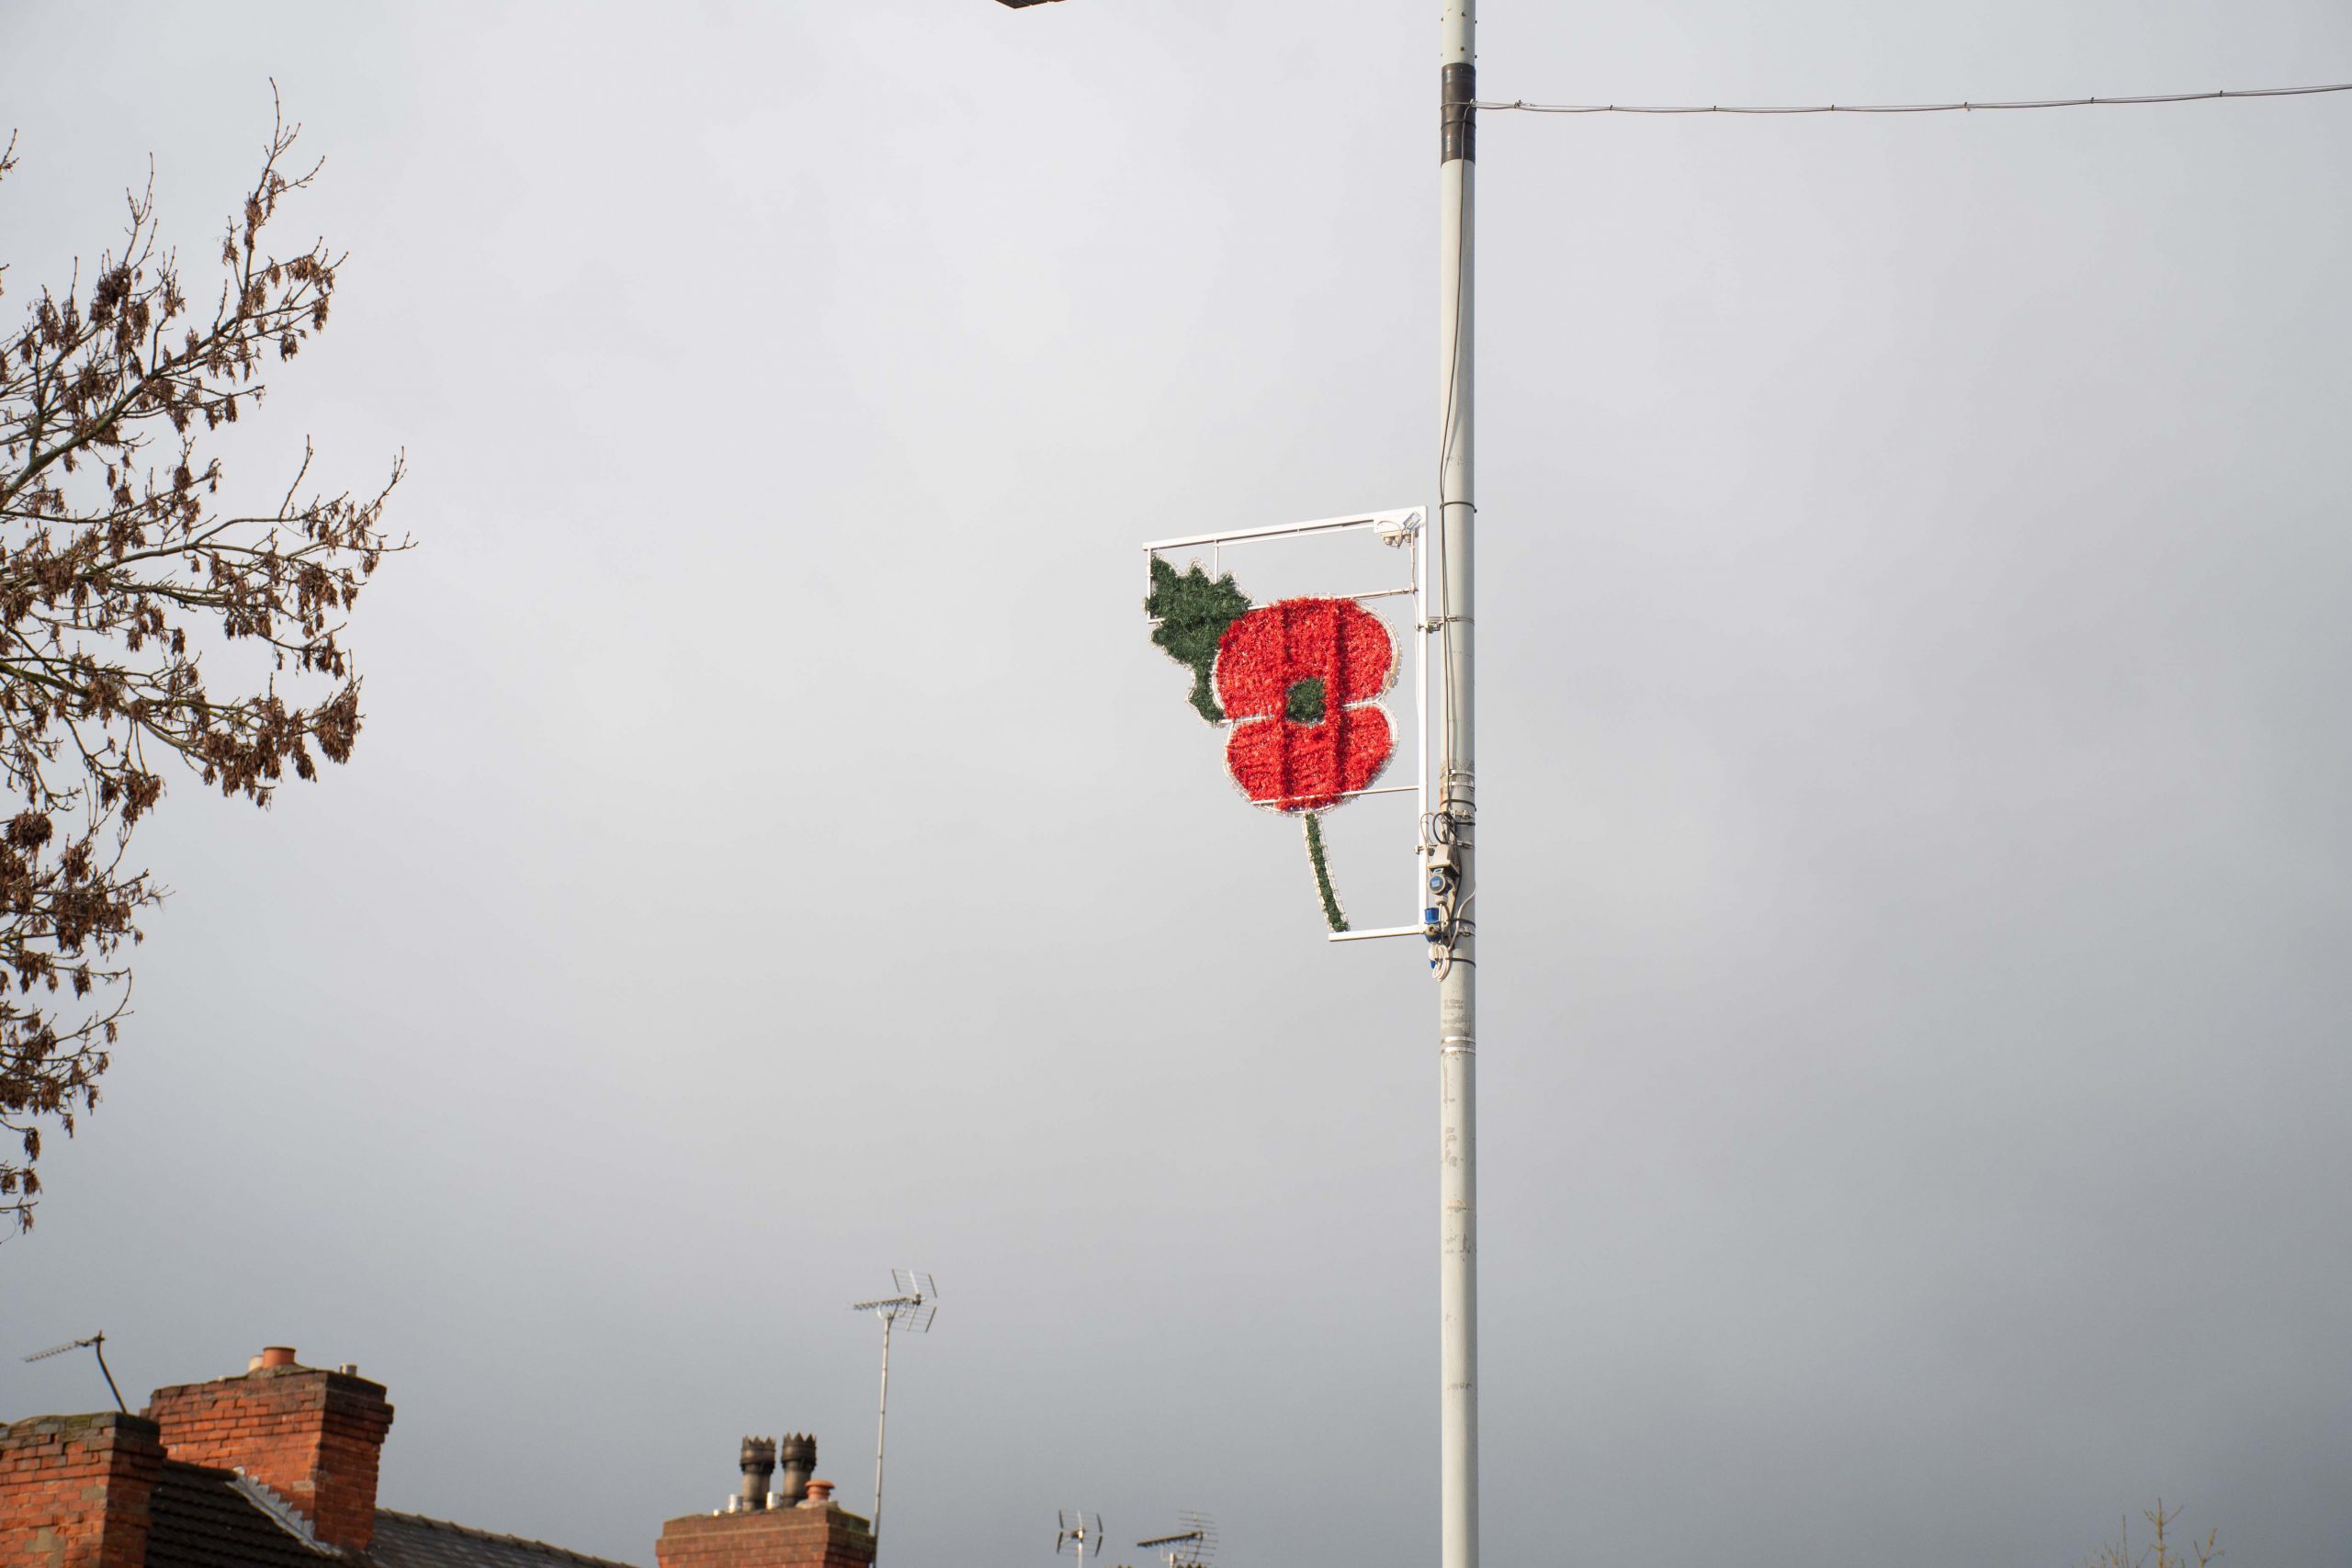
<point x="215" y="1519"/>
<point x="203" y="1518"/>
<point x="407" y="1540"/>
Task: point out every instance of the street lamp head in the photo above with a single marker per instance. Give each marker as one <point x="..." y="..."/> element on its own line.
<point x="1017" y="4"/>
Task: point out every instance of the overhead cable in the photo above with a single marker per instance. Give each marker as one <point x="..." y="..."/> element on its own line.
<point x="1524" y="107"/>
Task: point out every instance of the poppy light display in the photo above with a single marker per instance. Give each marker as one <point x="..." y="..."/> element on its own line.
<point x="1298" y="682"/>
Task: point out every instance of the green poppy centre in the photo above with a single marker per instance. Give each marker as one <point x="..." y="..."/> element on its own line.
<point x="1304" y="704"/>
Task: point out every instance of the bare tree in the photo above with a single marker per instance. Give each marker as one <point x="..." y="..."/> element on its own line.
<point x="2162" y="1553"/>
<point x="121" y="566"/>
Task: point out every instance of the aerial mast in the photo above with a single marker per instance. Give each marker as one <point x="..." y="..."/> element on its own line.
<point x="96" y="1345"/>
<point x="914" y="1307"/>
<point x="1077" y="1533"/>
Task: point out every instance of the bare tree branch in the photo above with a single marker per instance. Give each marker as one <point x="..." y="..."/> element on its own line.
<point x="115" y="569"/>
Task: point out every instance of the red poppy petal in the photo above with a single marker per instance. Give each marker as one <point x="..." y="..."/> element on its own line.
<point x="1363" y="656"/>
<point x="1266" y="652"/>
<point x="1365" y="746"/>
<point x="1305" y="767"/>
<point x="1253" y="666"/>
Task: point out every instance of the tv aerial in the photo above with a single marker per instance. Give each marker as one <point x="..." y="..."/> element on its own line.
<point x="1194" y="1546"/>
<point x="96" y="1343"/>
<point x="1078" y="1534"/>
<point x="912" y="1308"/>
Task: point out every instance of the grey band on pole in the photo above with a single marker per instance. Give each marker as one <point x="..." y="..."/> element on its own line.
<point x="1457" y="113"/>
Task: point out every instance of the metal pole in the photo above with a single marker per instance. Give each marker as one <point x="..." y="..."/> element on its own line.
<point x="882" y="1429"/>
<point x="98" y="1343"/>
<point x="1454" y="952"/>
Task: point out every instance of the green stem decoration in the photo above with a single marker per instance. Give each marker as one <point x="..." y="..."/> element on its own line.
<point x="1331" y="911"/>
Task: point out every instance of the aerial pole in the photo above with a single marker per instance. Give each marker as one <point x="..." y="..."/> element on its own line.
<point x="1453" y="946"/>
<point x="915" y="1305"/>
<point x="882" y="1423"/>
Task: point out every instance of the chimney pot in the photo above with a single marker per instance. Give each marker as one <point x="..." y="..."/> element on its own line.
<point x="277" y="1355"/>
<point x="797" y="1452"/>
<point x="820" y="1496"/>
<point x="759" y="1465"/>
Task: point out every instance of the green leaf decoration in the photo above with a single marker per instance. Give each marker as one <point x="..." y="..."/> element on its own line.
<point x="1193" y="612"/>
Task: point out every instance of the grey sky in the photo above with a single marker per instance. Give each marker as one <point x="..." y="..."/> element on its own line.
<point x="1916" y="775"/>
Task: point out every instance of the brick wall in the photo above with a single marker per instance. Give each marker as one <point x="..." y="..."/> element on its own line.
<point x="74" y="1489"/>
<point x="311" y="1437"/>
<point x="772" y="1538"/>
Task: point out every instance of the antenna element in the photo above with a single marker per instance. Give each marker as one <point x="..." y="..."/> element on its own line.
<point x="1078" y="1534"/>
<point x="97" y="1344"/>
<point x="1194" y="1546"/>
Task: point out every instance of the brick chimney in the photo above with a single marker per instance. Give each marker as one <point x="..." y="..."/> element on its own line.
<point x="817" y="1533"/>
<point x="311" y="1436"/>
<point x="74" y="1490"/>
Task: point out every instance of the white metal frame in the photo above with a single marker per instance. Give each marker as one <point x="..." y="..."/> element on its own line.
<point x="1405" y="527"/>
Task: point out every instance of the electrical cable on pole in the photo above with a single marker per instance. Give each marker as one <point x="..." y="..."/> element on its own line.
<point x="1963" y="106"/>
